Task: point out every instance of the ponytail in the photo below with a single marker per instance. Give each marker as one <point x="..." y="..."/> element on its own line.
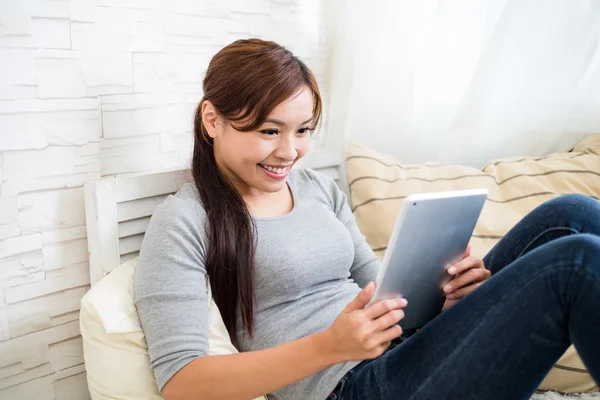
<point x="230" y="256"/>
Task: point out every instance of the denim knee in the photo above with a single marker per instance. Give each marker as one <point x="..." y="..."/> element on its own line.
<point x="577" y="211"/>
<point x="575" y="201"/>
<point x="588" y="251"/>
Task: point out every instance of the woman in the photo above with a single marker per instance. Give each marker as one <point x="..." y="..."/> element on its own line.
<point x="287" y="263"/>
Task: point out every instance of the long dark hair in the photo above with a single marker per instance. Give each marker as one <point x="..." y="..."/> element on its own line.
<point x="244" y="82"/>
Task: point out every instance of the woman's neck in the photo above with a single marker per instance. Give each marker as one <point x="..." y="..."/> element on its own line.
<point x="270" y="205"/>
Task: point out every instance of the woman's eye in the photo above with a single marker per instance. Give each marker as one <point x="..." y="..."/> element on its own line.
<point x="304" y="131"/>
<point x="269" y="132"/>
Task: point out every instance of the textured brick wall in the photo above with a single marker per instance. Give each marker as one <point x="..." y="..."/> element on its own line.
<point x="93" y="88"/>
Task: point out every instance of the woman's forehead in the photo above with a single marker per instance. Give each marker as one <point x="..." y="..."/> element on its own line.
<point x="297" y="109"/>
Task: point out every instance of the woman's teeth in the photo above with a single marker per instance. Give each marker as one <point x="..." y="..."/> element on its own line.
<point x="279" y="171"/>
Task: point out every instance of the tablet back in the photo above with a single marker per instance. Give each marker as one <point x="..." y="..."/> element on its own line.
<point x="432" y="232"/>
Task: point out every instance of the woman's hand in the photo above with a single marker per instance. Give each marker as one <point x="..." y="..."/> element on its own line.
<point x="360" y="333"/>
<point x="469" y="273"/>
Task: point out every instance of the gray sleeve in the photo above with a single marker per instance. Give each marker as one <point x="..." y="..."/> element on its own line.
<point x="366" y="264"/>
<point x="170" y="287"/>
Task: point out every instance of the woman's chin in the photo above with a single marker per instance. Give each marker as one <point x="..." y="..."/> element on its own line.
<point x="273" y="187"/>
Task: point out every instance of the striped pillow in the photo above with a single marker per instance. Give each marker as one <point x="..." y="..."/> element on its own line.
<point x="379" y="183"/>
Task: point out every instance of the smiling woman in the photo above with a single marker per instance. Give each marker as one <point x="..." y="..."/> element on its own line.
<point x="259" y="160"/>
<point x="292" y="274"/>
<point x="279" y="243"/>
<point x="260" y="104"/>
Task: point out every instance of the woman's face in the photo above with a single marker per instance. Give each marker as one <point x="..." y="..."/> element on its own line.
<point x="259" y="161"/>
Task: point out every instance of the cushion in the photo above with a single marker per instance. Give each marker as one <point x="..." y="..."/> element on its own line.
<point x="379" y="183"/>
<point x="114" y="346"/>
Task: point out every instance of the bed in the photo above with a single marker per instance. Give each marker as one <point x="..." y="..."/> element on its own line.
<point x="119" y="209"/>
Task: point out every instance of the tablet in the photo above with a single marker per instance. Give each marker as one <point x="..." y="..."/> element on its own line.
<point x="431" y="233"/>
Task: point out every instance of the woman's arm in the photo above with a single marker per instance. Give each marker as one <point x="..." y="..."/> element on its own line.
<point x="358" y="333"/>
<point x="251" y="374"/>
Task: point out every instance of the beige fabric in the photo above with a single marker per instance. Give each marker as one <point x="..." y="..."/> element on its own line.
<point x="378" y="185"/>
<point x="114" y="346"/>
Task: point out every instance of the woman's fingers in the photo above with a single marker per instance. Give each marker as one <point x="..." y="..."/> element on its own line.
<point x="470" y="276"/>
<point x="384" y="306"/>
<point x="469" y="273"/>
<point x="387" y="335"/>
<point x="387" y="320"/>
<point x="460" y="293"/>
<point x="465" y="264"/>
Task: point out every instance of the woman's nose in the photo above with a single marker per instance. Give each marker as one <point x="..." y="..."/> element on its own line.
<point x="287" y="150"/>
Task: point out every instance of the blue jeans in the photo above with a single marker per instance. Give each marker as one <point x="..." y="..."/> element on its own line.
<point x="501" y="340"/>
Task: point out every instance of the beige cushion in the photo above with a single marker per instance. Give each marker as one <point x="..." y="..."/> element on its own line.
<point x="379" y="183"/>
<point x="114" y="346"/>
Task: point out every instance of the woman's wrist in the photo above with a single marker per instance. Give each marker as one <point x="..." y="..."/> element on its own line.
<point x="325" y="348"/>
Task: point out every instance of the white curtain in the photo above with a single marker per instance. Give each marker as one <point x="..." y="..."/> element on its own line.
<point x="464" y="81"/>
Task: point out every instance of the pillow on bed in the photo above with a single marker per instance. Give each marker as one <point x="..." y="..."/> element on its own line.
<point x="114" y="345"/>
<point x="379" y="183"/>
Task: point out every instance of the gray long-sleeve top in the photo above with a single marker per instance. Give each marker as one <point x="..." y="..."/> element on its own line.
<point x="310" y="263"/>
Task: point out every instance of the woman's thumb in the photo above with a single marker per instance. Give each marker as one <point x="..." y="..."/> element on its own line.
<point x="362" y="298"/>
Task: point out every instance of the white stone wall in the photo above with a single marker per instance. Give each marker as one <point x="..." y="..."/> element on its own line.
<point x="93" y="88"/>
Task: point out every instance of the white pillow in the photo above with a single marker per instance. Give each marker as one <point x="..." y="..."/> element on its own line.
<point x="114" y="346"/>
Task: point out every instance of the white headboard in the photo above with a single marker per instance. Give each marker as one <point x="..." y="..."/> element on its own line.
<point x="118" y="210"/>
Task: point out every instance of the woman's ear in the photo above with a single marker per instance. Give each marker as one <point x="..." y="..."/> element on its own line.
<point x="210" y="119"/>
